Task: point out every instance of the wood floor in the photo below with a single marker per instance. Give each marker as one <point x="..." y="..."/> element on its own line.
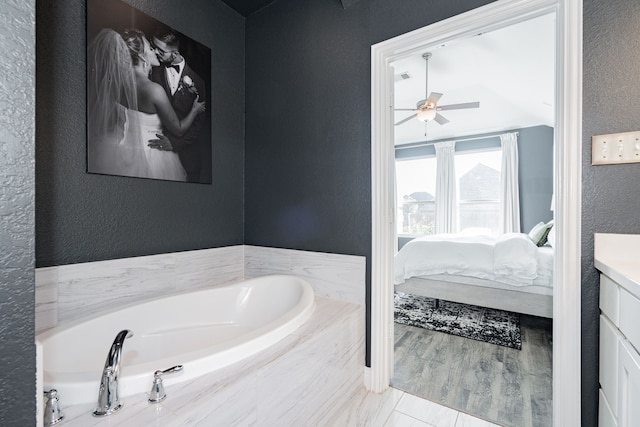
<point x="502" y="385"/>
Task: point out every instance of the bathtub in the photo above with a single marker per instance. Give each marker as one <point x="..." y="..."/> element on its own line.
<point x="202" y="330"/>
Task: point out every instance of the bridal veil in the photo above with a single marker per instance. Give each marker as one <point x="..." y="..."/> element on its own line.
<point x="115" y="146"/>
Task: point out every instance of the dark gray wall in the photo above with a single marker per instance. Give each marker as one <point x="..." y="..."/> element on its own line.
<point x="308" y="106"/>
<point x="17" y="207"/>
<point x="84" y="217"/>
<point x="610" y="194"/>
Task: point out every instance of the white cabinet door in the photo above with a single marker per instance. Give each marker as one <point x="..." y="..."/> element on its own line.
<point x="605" y="414"/>
<point x="628" y="385"/>
<point x="609" y="362"/>
<point x="610" y="299"/>
<point x="630" y="317"/>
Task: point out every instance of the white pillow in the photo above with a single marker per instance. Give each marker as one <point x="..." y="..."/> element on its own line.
<point x="551" y="237"/>
<point x="536" y="232"/>
<point x="539" y="232"/>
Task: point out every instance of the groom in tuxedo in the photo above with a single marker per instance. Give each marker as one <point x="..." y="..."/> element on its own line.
<point x="182" y="86"/>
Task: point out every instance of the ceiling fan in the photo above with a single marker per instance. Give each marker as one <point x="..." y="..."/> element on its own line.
<point x="427" y="109"/>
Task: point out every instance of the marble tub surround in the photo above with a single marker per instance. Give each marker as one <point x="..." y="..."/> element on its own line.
<point x="70" y="292"/>
<point x="308" y="378"/>
<point x="336" y="276"/>
<point x="305" y="379"/>
<point x="46" y="296"/>
<point x="202" y="330"/>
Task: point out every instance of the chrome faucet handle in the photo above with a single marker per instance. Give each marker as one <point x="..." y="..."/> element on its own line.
<point x="157" y="393"/>
<point x="52" y="411"/>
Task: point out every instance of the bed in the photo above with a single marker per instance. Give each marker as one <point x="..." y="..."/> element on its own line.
<point x="509" y="272"/>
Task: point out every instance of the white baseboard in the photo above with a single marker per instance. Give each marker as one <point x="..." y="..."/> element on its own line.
<point x="367" y="378"/>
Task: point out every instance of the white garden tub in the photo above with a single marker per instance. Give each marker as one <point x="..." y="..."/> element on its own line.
<point x="202" y="330"/>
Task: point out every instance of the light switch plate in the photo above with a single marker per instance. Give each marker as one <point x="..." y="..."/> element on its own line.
<point x="615" y="148"/>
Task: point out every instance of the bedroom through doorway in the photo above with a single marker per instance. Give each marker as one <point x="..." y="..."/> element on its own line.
<point x="473" y="273"/>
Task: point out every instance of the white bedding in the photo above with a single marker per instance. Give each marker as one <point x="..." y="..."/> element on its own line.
<point x="512" y="259"/>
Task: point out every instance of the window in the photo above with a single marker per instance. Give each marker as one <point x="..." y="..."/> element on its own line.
<point x="477" y="188"/>
<point x="478" y="181"/>
<point x="415" y="190"/>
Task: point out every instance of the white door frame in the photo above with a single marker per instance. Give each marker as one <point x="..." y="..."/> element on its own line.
<point x="567" y="185"/>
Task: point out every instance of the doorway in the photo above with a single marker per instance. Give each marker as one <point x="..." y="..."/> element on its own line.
<point x="566" y="296"/>
<point x="488" y="357"/>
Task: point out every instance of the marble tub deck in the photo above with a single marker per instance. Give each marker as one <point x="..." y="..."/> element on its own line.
<point x="305" y="379"/>
<point x="394" y="408"/>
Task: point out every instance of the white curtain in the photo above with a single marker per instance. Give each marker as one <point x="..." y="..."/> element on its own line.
<point x="509" y="193"/>
<point x="445" y="187"/>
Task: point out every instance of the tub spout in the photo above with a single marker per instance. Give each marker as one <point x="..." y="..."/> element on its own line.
<point x="108" y="400"/>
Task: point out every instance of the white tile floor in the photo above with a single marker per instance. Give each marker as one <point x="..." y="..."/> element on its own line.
<point x="396" y="408"/>
<point x="412" y="411"/>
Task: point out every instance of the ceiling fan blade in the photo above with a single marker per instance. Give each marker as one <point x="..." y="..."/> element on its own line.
<point x="405" y="120"/>
<point x="431" y="101"/>
<point x="404" y="109"/>
<point x="459" y="106"/>
<point x="440" y="119"/>
<point x="433" y="97"/>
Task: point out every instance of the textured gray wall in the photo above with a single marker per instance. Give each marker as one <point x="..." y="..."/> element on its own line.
<point x="610" y="194"/>
<point x="17" y="204"/>
<point x="308" y="122"/>
<point x="308" y="126"/>
<point x="85" y="217"/>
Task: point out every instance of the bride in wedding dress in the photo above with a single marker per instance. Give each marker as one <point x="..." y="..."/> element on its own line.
<point x="127" y="110"/>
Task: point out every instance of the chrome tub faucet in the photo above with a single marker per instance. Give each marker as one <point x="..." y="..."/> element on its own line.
<point x="108" y="400"/>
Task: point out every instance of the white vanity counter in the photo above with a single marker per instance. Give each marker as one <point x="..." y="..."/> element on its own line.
<point x="617" y="257"/>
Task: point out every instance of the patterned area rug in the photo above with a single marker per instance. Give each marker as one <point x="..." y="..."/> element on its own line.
<point x="469" y="321"/>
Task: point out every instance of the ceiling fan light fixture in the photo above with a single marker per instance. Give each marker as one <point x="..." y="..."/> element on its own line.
<point x="426" y="114"/>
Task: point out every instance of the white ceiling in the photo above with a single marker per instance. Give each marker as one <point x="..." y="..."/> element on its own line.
<point x="510" y="71"/>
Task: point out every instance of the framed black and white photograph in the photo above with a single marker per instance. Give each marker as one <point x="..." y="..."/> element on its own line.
<point x="148" y="94"/>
